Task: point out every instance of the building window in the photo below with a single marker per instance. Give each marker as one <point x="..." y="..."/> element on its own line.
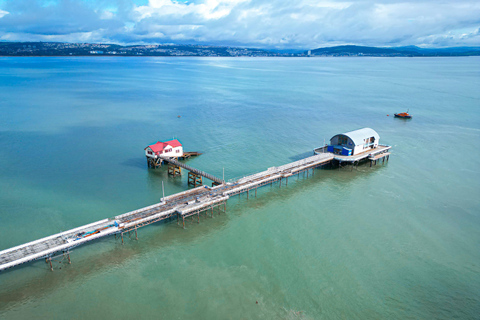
<point x="178" y="151"/>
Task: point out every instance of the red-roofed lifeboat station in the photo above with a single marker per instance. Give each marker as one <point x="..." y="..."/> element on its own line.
<point x="170" y="152"/>
<point x="171" y="149"/>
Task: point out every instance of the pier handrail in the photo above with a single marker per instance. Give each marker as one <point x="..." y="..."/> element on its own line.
<point x="181" y="205"/>
<point x="191" y="169"/>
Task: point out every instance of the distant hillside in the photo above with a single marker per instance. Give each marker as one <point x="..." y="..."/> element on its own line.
<point x="105" y="49"/>
<point x="92" y="49"/>
<point x="409" y="51"/>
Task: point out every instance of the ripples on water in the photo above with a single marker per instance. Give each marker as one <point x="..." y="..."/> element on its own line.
<point x="398" y="240"/>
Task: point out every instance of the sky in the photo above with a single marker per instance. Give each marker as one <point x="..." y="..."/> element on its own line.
<point x="275" y="24"/>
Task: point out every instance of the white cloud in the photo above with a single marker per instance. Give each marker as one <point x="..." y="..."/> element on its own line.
<point x="262" y="23"/>
<point x="107" y="14"/>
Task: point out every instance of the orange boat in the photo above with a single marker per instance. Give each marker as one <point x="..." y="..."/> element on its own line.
<point x="404" y="115"/>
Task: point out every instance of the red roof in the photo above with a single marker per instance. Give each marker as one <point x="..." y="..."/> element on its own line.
<point x="159" y="146"/>
<point x="174" y="143"/>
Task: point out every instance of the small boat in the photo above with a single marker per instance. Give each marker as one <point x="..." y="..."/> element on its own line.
<point x="403" y="115"/>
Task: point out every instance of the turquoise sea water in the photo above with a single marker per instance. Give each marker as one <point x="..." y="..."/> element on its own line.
<point x="395" y="241"/>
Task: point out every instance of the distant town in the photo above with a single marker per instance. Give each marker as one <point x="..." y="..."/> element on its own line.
<point x="91" y="49"/>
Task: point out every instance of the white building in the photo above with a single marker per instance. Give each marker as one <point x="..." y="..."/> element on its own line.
<point x="354" y="142"/>
<point x="172" y="148"/>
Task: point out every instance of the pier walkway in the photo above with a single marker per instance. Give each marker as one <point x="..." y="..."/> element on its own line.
<point x="191" y="169"/>
<point x="180" y="206"/>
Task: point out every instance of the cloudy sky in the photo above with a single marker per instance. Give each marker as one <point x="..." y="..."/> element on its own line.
<point x="283" y="24"/>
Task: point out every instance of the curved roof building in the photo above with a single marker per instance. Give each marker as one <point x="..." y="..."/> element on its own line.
<point x="357" y="141"/>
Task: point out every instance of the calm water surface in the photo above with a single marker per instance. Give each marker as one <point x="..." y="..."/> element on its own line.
<point x="396" y="241"/>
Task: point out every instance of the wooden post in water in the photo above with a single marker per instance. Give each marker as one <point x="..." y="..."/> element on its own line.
<point x="136" y="236"/>
<point x="255" y="192"/>
<point x="50" y="260"/>
<point x="122" y="237"/>
<point x="247" y="194"/>
<point x="183" y="222"/>
<point x="68" y="256"/>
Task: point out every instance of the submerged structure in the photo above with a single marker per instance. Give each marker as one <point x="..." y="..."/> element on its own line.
<point x="363" y="145"/>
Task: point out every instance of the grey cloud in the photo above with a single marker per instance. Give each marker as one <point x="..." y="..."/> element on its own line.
<point x="260" y="23"/>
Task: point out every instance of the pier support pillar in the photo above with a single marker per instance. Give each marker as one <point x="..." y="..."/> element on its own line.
<point x="121" y="234"/>
<point x="183" y="222"/>
<point x="154" y="163"/>
<point x="194" y="179"/>
<point x="247" y="194"/>
<point x="51" y="266"/>
<point x="255" y="192"/>
<point x="136" y="235"/>
<point x="174" y="170"/>
<point x="68" y="256"/>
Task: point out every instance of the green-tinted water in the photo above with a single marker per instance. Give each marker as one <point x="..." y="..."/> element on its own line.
<point x="399" y="240"/>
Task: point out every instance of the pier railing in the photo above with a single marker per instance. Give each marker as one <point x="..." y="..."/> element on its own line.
<point x="191" y="169"/>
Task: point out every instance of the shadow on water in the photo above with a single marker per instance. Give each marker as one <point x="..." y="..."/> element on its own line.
<point x="301" y="156"/>
<point x="112" y="254"/>
<point x="136" y="162"/>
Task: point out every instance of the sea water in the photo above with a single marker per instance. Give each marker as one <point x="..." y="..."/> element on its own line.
<point x="394" y="241"/>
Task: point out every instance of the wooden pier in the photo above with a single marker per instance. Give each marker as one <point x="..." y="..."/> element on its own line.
<point x="180" y="206"/>
<point x="174" y="163"/>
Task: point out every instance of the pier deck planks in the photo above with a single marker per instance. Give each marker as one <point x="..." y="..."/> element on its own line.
<point x="181" y="204"/>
